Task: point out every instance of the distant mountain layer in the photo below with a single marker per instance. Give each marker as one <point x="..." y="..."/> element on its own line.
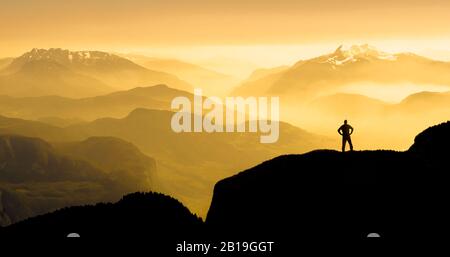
<point x="186" y="171"/>
<point x="265" y="72"/>
<point x="5" y="62"/>
<point x="36" y="177"/>
<point x="116" y="104"/>
<point x="77" y="74"/>
<point x="34" y="129"/>
<point x="321" y="193"/>
<point x="358" y="64"/>
<point x="212" y="82"/>
<point x="182" y="68"/>
<point x="121" y="160"/>
<point x="151" y="131"/>
<point x="430" y="104"/>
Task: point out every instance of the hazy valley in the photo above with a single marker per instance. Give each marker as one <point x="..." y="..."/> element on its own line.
<point x="80" y="127"/>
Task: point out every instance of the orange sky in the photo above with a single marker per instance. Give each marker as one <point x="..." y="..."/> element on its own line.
<point x="142" y="24"/>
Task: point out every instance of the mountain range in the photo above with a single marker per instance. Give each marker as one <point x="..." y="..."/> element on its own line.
<point x="77" y="74"/>
<point x="212" y="82"/>
<point x="310" y="78"/>
<point x="116" y="104"/>
<point x="102" y="150"/>
<point x="358" y="106"/>
<point x="185" y="172"/>
<point x="190" y="173"/>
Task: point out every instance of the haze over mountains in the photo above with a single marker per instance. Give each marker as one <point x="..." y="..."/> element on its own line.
<point x="212" y="82"/>
<point x="358" y="64"/>
<point x="5" y="62"/>
<point x="379" y="123"/>
<point x="265" y="72"/>
<point x="185" y="172"/>
<point x="388" y="98"/>
<point x="236" y="67"/>
<point x="113" y="116"/>
<point x="90" y="143"/>
<point x="77" y="74"/>
<point x="116" y="104"/>
<point x="359" y="106"/>
<point x="36" y="178"/>
<point x="307" y="90"/>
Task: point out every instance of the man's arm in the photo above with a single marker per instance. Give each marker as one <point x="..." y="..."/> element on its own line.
<point x="351" y="129"/>
<point x="339" y="130"/>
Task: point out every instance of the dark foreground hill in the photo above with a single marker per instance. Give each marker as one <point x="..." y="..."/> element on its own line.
<point x="151" y="215"/>
<point x="138" y="223"/>
<point x="331" y="196"/>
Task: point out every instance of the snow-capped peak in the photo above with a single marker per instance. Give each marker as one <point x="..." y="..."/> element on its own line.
<point x="354" y="53"/>
<point x="61" y="55"/>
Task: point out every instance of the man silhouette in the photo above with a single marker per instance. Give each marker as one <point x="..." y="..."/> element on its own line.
<point x="345" y="131"/>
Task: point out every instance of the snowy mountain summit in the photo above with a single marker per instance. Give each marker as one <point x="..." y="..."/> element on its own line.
<point x="355" y="53"/>
<point x="63" y="56"/>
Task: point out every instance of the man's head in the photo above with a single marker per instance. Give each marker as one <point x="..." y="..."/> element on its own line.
<point x="345" y="121"/>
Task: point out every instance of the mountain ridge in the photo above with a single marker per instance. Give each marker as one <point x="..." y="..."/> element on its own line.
<point x="211" y="81"/>
<point x="186" y="172"/>
<point x="80" y="74"/>
<point x="115" y="104"/>
<point x="356" y="193"/>
<point x="357" y="64"/>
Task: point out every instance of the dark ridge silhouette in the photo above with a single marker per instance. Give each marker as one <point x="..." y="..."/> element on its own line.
<point x="433" y="143"/>
<point x="155" y="218"/>
<point x="326" y="195"/>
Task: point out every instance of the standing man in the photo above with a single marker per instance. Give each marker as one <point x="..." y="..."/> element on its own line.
<point x="345" y="131"/>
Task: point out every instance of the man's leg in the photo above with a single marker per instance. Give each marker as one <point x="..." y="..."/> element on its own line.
<point x="343" y="144"/>
<point x="350" y="143"/>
